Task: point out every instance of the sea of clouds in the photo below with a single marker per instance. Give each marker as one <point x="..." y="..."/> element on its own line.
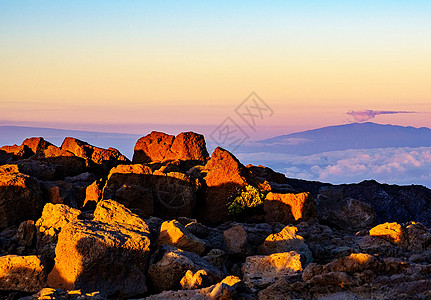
<point x="403" y="166"/>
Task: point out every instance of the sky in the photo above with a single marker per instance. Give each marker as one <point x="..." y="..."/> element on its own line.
<point x="127" y="66"/>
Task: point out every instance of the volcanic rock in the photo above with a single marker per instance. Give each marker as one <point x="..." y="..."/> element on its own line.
<point x="59" y="294"/>
<point x="261" y="271"/>
<point x="96" y="256"/>
<point x="20" y="198"/>
<point x="54" y="218"/>
<point x="36" y="144"/>
<point x="285" y="241"/>
<point x="160" y="147"/>
<point x="288" y="208"/>
<point x="194" y="281"/>
<point x="175" y="234"/>
<point x="225" y="178"/>
<point x="169" y="265"/>
<point x="21" y="273"/>
<point x="235" y="239"/>
<point x="391" y="232"/>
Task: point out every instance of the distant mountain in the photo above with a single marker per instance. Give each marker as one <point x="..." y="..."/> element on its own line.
<point x="125" y="143"/>
<point x="343" y="137"/>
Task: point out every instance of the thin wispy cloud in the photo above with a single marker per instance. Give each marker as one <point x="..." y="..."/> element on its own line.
<point x="368" y="114"/>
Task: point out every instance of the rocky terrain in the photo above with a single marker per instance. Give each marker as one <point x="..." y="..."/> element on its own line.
<point x="82" y="222"/>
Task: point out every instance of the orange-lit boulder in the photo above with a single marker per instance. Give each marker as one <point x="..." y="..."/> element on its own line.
<point x="175" y="234"/>
<point x="260" y="271"/>
<point x="17" y="152"/>
<point x="21" y="273"/>
<point x="54" y="218"/>
<point x="226" y="176"/>
<point x="36" y="144"/>
<point x="288" y="208"/>
<point x="159" y="147"/>
<point x="197" y="280"/>
<point x="96" y="256"/>
<point x="285" y="241"/>
<point x="392" y="232"/>
<point x="169" y="265"/>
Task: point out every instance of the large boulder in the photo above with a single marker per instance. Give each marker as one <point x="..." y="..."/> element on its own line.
<point x="20" y="197"/>
<point x="160" y="147"/>
<point x="285" y="241"/>
<point x="169" y="265"/>
<point x="17" y="152"/>
<point x="225" y="178"/>
<point x="392" y="232"/>
<point x="260" y="271"/>
<point x="21" y="273"/>
<point x="289" y="208"/>
<point x="100" y="159"/>
<point x="96" y="256"/>
<point x="164" y="195"/>
<point x="36" y="144"/>
<point x="54" y="218"/>
<point x="175" y="234"/>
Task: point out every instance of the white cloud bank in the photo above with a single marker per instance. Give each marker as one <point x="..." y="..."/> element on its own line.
<point x="386" y="165"/>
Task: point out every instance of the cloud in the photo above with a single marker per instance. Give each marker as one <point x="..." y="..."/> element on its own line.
<point x="387" y="165"/>
<point x="368" y="114"/>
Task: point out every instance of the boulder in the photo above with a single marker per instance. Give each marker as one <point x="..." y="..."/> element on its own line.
<point x="164" y="195"/>
<point x="36" y="144"/>
<point x="392" y="232"/>
<point x="419" y="236"/>
<point x="261" y="271"/>
<point x="169" y="265"/>
<point x="21" y="273"/>
<point x="175" y="234"/>
<point x="41" y="169"/>
<point x="160" y="147"/>
<point x="289" y="208"/>
<point x="116" y="214"/>
<point x="96" y="256"/>
<point x="20" y="198"/>
<point x="285" y="241"/>
<point x="102" y="160"/>
<point x="192" y="281"/>
<point x="54" y="218"/>
<point x="225" y="178"/>
<point x="235" y="239"/>
<point x="229" y="288"/>
<point x="59" y="192"/>
<point x="17" y="152"/>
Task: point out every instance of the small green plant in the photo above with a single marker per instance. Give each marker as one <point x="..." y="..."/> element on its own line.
<point x="250" y="197"/>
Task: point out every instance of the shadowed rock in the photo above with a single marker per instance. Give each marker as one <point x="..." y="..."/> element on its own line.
<point x="21" y="273"/>
<point x="289" y="208"/>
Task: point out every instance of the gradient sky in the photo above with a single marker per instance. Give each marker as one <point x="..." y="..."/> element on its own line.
<point x="115" y="65"/>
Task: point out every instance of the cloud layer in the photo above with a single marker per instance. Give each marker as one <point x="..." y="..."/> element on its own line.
<point x="386" y="165"/>
<point x="368" y="114"/>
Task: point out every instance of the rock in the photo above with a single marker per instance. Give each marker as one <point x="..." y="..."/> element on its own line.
<point x="391" y="232"/>
<point x="163" y="195"/>
<point x="54" y="218"/>
<point x="17" y="152"/>
<point x="260" y="271"/>
<point x="159" y="147"/>
<point x="93" y="193"/>
<point x="169" y="265"/>
<point x="114" y="213"/>
<point x="59" y="294"/>
<point x="285" y="241"/>
<point x="40" y="169"/>
<point x="334" y="208"/>
<point x="20" y="198"/>
<point x="235" y="239"/>
<point x="229" y="288"/>
<point x="175" y="234"/>
<point x="194" y="281"/>
<point x="96" y="256"/>
<point x="225" y="178"/>
<point x="419" y="236"/>
<point x="36" y="144"/>
<point x="288" y="208"/>
<point x="217" y="258"/>
<point x="26" y="233"/>
<point x="21" y="273"/>
<point x="100" y="157"/>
